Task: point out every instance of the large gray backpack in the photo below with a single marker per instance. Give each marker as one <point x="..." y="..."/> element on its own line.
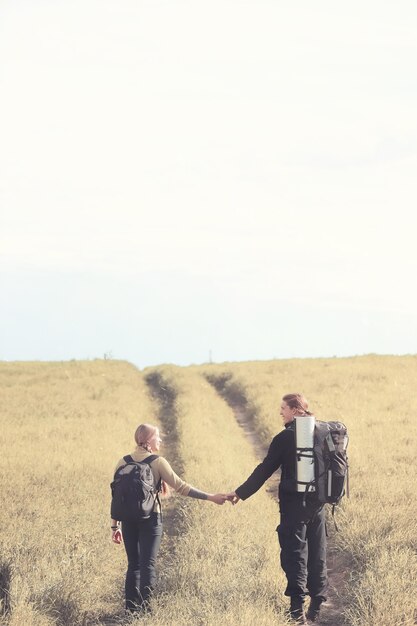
<point x="331" y="468"/>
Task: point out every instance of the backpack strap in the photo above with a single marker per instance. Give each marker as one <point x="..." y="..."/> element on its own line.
<point x="334" y="519"/>
<point x="129" y="459"/>
<point x="149" y="460"/>
<point x="307" y="489"/>
<point x="330" y="443"/>
<point x="347" y="481"/>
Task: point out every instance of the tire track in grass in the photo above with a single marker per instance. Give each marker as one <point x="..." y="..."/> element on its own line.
<point x="165" y="397"/>
<point x="160" y="402"/>
<point x="221" y="573"/>
<point x="6" y="568"/>
<point x="235" y="396"/>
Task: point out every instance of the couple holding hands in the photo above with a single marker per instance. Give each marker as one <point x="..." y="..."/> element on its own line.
<point x="301" y="532"/>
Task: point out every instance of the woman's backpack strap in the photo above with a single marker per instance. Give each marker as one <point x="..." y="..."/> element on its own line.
<point x="150" y="459"/>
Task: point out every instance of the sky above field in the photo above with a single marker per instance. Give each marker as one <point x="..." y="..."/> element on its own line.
<point x="185" y="181"/>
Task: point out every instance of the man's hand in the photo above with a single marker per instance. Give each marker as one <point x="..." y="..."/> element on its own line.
<point x="233" y="497"/>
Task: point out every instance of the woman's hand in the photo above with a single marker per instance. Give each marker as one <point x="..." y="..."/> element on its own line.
<point x="218" y="498"/>
<point x="116" y="536"/>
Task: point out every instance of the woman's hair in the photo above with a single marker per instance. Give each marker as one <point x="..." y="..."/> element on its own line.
<point x="297" y="401"/>
<point x="143" y="433"/>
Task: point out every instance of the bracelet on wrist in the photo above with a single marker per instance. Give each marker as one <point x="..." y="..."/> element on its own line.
<point x="114" y="527"/>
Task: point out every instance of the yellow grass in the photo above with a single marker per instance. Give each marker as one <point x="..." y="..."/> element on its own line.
<point x="64" y="426"/>
<point x="375" y="397"/>
<point x="225" y="565"/>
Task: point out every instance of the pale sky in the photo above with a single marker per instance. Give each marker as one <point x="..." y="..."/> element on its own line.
<point x="186" y="180"/>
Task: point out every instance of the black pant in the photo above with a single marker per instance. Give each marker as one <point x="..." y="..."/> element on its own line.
<point x="302" y="537"/>
<point x="142" y="541"/>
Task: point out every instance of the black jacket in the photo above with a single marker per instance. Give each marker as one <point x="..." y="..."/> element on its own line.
<point x="281" y="453"/>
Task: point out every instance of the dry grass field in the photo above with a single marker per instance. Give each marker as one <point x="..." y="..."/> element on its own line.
<point x="64" y="426"/>
<point x="374" y="396"/>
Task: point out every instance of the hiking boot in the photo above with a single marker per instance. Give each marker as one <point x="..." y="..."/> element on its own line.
<point x="298" y="617"/>
<point x="297" y="610"/>
<point x="313" y="612"/>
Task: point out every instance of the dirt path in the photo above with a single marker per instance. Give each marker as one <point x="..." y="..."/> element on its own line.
<point x="164" y="398"/>
<point x="331" y="610"/>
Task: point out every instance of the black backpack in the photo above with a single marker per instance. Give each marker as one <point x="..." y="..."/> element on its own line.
<point x="133" y="490"/>
<point x="331" y="467"/>
<point x="331" y="461"/>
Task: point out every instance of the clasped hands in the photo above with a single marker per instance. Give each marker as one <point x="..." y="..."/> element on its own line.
<point x="221" y="498"/>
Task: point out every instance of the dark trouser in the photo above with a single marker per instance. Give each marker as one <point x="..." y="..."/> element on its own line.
<point x="142" y="541"/>
<point x="302" y="537"/>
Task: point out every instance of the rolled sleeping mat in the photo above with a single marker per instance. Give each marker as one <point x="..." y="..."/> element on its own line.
<point x="304" y="442"/>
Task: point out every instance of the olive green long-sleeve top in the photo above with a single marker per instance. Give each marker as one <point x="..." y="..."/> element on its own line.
<point x="161" y="469"/>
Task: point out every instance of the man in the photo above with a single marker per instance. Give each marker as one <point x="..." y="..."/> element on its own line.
<point x="302" y="530"/>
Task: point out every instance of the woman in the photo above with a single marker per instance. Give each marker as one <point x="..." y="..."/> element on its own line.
<point x="142" y="539"/>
